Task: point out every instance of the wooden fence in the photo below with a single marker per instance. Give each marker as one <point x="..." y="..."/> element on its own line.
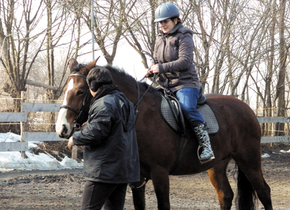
<point x="274" y="139"/>
<point x="52" y="136"/>
<point x="28" y="136"/>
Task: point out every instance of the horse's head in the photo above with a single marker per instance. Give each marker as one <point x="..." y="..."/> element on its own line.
<point x="74" y="109"/>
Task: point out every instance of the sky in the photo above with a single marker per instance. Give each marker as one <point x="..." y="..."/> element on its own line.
<point x="126" y="58"/>
<point x="10" y="161"/>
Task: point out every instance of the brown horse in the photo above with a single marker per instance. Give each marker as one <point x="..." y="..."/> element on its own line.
<point x="159" y="146"/>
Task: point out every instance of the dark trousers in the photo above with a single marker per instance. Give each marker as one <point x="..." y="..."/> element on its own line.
<point x="96" y="194"/>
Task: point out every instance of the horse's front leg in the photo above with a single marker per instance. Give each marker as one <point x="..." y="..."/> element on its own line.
<point x="138" y="191"/>
<point x="160" y="179"/>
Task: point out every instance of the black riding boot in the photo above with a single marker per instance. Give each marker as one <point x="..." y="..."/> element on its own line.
<point x="204" y="142"/>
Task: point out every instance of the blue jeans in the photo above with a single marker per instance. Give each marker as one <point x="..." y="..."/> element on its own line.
<point x="187" y="98"/>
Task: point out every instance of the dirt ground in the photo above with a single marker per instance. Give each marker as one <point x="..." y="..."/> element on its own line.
<point x="63" y="189"/>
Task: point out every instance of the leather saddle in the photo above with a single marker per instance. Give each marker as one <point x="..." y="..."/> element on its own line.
<point x="173" y="116"/>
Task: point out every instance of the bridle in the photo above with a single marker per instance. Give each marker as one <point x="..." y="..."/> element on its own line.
<point x="79" y="112"/>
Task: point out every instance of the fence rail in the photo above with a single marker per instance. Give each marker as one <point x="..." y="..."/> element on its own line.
<point x="275" y="139"/>
<point x="13" y="146"/>
<point x="41" y="136"/>
<point x="13" y="117"/>
<point x="40" y="107"/>
<point x="52" y="136"/>
<point x="273" y="119"/>
<point x="28" y="136"/>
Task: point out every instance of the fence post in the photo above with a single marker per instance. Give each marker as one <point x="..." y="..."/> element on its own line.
<point x="74" y="152"/>
<point x="23" y="155"/>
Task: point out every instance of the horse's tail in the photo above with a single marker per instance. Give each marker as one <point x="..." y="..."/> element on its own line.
<point x="246" y="198"/>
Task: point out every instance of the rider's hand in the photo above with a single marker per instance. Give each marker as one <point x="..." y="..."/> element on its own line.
<point x="148" y="73"/>
<point x="70" y="143"/>
<point x="155" y="68"/>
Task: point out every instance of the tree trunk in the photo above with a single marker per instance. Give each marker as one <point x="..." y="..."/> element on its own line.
<point x="282" y="69"/>
<point x="50" y="94"/>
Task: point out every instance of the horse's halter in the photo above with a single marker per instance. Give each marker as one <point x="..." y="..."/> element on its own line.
<point x="80" y="111"/>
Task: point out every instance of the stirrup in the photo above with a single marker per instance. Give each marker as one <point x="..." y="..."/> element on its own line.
<point x="203" y="161"/>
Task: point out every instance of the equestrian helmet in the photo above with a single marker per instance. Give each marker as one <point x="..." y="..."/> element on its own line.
<point x="166" y="11"/>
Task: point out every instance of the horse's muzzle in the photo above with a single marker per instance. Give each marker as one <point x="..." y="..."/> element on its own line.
<point x="64" y="132"/>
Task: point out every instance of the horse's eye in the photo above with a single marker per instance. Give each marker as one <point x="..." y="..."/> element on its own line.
<point x="80" y="92"/>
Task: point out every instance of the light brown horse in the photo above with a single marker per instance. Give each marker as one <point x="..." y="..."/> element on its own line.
<point x="159" y="146"/>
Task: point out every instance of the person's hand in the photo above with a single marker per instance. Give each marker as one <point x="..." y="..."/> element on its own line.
<point x="155" y="68"/>
<point x="148" y="73"/>
<point x="70" y="143"/>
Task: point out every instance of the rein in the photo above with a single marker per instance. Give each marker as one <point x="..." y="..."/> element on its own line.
<point x="138" y="90"/>
<point x="137" y="111"/>
<point x="80" y="111"/>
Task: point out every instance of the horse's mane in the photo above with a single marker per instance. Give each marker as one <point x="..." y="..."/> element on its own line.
<point x="121" y="72"/>
<point x="127" y="77"/>
<point x="123" y="75"/>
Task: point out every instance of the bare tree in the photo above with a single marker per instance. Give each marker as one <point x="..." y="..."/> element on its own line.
<point x="68" y="33"/>
<point x="140" y="31"/>
<point x="60" y="27"/>
<point x="196" y="21"/>
<point x="107" y="25"/>
<point x="16" y="36"/>
<point x="280" y="94"/>
<point x="270" y="56"/>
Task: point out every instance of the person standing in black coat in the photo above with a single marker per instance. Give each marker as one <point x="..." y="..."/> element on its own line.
<point x="111" y="158"/>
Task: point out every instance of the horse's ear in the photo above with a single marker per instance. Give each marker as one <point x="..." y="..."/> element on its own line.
<point x="88" y="67"/>
<point x="72" y="64"/>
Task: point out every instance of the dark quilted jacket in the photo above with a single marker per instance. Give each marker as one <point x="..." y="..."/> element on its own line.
<point x="174" y="53"/>
<point x="110" y="142"/>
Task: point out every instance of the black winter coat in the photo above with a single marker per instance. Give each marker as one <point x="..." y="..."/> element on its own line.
<point x="109" y="139"/>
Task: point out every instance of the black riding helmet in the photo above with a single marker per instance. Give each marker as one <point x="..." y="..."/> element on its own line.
<point x="166" y="11"/>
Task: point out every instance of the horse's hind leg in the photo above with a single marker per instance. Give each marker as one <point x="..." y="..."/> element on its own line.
<point x="219" y="179"/>
<point x="252" y="171"/>
<point x="250" y="168"/>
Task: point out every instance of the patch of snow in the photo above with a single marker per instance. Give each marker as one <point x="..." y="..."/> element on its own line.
<point x="43" y="161"/>
<point x="266" y="155"/>
<point x="283" y="151"/>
